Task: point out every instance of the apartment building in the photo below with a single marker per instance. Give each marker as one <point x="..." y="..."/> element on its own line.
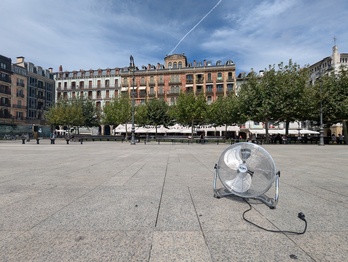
<point x="164" y="81"/>
<point x="5" y="89"/>
<point x="99" y="85"/>
<point x="328" y="64"/>
<point x="40" y="89"/>
<point x="176" y="75"/>
<point x="19" y="93"/>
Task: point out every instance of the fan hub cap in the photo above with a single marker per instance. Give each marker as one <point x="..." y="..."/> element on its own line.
<point x="242" y="168"/>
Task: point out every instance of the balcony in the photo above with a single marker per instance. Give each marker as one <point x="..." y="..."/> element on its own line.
<point x="19" y="106"/>
<point x="20" y="95"/>
<point x="219" y="90"/>
<point x="5" y="78"/>
<point x="5" y="104"/>
<point x="5" y="115"/>
<point x="209" y="91"/>
<point x="5" y="90"/>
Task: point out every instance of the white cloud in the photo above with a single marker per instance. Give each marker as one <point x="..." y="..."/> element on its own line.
<point x="98" y="34"/>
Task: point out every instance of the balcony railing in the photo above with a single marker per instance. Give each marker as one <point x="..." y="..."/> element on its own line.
<point x="5" y="91"/>
<point x="19" y="106"/>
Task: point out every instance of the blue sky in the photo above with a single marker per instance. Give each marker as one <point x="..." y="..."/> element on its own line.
<point x="85" y="34"/>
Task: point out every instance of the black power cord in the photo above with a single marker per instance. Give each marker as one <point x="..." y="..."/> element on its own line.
<point x="300" y="216"/>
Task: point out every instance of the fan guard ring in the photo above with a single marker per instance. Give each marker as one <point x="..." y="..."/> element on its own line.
<point x="246" y="170"/>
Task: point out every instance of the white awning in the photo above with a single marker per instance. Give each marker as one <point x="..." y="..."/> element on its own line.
<point x="124" y="89"/>
<point x="282" y="131"/>
<point x="142" y="87"/>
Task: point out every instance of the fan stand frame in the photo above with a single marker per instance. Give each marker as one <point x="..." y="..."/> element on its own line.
<point x="270" y="202"/>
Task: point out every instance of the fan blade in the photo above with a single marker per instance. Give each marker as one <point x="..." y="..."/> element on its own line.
<point x="232" y="158"/>
<point x="241" y="183"/>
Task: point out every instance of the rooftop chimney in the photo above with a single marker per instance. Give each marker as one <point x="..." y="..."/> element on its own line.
<point x="20" y="60"/>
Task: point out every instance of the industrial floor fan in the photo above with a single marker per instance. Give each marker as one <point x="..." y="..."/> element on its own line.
<point x="248" y="171"/>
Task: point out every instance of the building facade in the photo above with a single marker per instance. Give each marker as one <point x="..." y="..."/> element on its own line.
<point x="19" y="93"/>
<point x="100" y="85"/>
<point x="164" y="81"/>
<point x="176" y="75"/>
<point x="40" y="90"/>
<point x="5" y="89"/>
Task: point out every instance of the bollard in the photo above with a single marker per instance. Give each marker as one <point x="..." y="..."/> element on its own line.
<point x="67" y="141"/>
<point x="81" y="140"/>
<point x="23" y="140"/>
<point x="37" y="141"/>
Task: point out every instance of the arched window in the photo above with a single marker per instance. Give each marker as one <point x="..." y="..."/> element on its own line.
<point x="170" y="65"/>
<point x="180" y="64"/>
<point x="175" y="65"/>
<point x="219" y="76"/>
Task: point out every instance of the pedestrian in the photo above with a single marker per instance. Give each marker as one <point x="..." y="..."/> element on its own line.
<point x="333" y="139"/>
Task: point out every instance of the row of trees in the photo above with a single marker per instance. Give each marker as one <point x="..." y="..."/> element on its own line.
<point x="282" y="94"/>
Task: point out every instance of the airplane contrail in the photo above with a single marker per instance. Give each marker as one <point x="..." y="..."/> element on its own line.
<point x="193" y="28"/>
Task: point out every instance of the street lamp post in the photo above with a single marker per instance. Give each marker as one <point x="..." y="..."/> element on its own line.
<point x="321" y="130"/>
<point x="132" y="67"/>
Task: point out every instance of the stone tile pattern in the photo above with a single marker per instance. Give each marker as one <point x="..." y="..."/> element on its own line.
<point x="112" y="201"/>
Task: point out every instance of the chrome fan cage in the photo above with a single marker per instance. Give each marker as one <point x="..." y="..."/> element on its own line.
<point x="248" y="171"/>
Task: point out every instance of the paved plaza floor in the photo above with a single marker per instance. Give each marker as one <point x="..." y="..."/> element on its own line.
<point x="112" y="201"/>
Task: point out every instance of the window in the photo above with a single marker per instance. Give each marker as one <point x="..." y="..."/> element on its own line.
<point x="175" y="65"/>
<point x="170" y="65"/>
<point x="107" y="93"/>
<point x="219" y="76"/>
<point x="180" y="64"/>
<point x="209" y="76"/>
<point x="107" y="82"/>
<point x="189" y="78"/>
<point x="230" y="76"/>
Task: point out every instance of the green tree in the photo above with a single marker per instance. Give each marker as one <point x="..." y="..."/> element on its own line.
<point x="158" y="113"/>
<point x="141" y="115"/>
<point x="190" y="110"/>
<point x="332" y="91"/>
<point x="224" y="111"/>
<point x="118" y="111"/>
<point x="292" y="102"/>
<point x="256" y="98"/>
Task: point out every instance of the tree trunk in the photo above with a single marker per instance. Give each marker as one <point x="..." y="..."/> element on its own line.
<point x="267" y="136"/>
<point x="345" y="131"/>
<point x="287" y="124"/>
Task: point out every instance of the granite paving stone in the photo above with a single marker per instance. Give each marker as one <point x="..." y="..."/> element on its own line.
<point x="112" y="201"/>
